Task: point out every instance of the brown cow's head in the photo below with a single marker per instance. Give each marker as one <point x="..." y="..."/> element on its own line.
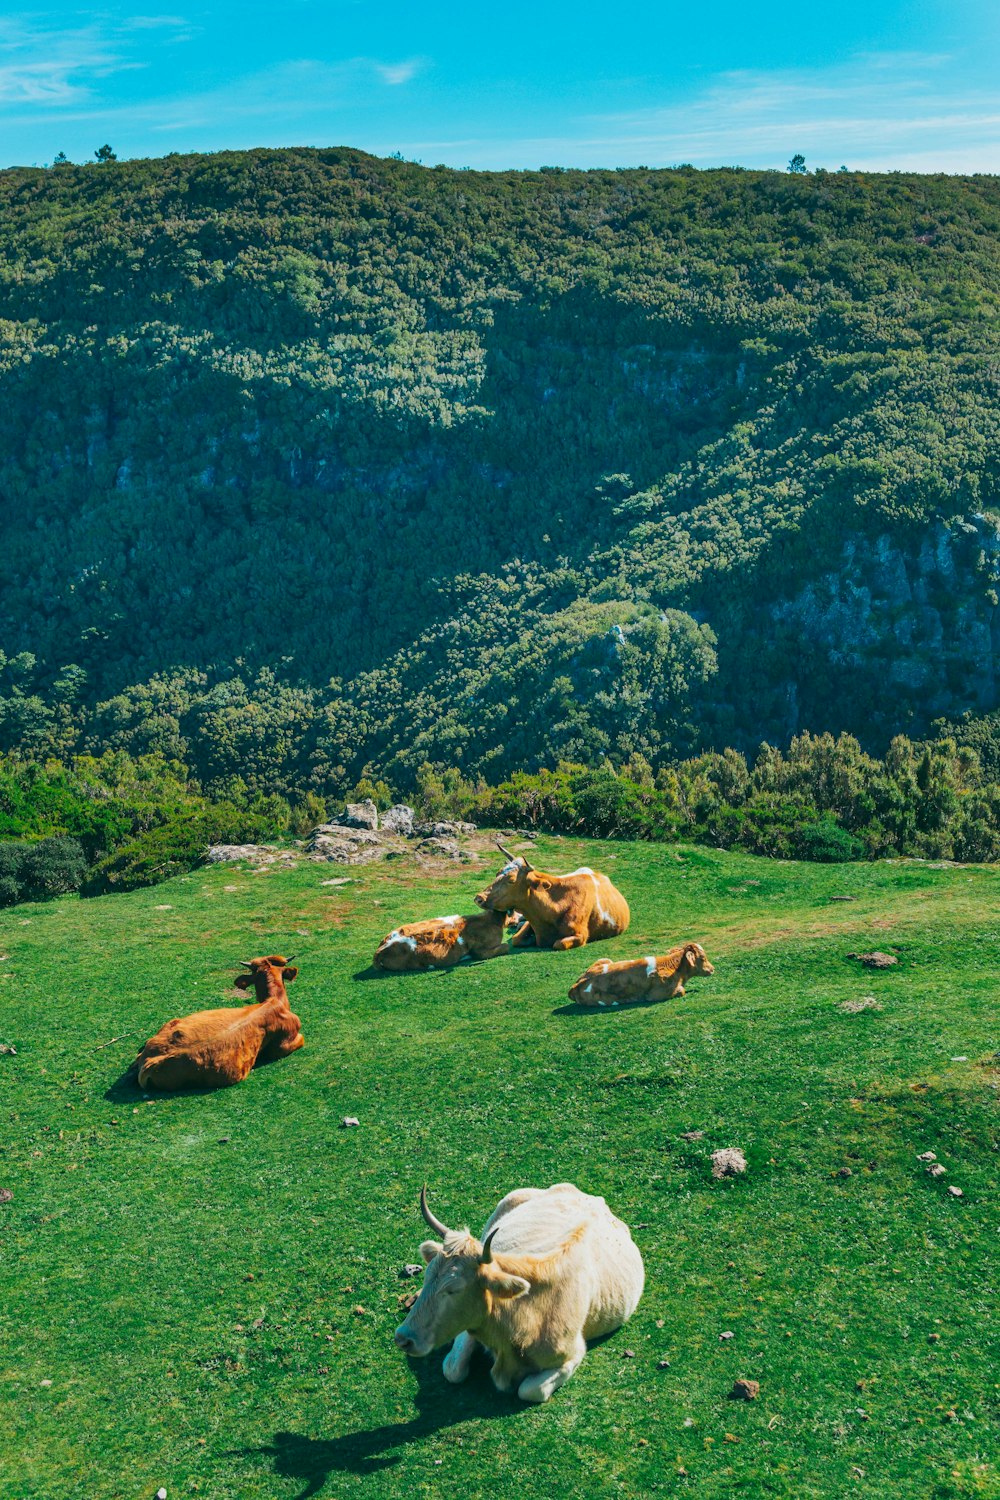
<point x="265" y="974"/>
<point x="509" y="887"/>
<point x="694" y="957"/>
<point x="460" y="1282"/>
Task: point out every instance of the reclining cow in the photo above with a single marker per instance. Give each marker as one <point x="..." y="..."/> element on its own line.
<point x="560" y="911"/>
<point x="554" y="1269"/>
<point x="215" y="1048"/>
<point x="639" y="979"/>
<point x="443" y="941"/>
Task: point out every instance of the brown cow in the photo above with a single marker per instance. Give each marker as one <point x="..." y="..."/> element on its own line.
<point x="640" y="978"/>
<point x="214" y="1048"/>
<point x="441" y="942"/>
<point x="561" y="911"/>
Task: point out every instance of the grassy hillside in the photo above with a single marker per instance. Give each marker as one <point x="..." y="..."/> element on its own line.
<point x="311" y="461"/>
<point x="210" y="1283"/>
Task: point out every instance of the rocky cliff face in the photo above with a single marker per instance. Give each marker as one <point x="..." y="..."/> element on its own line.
<point x="901" y="632"/>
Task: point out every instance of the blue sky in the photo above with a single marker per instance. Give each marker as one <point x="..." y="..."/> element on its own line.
<point x="909" y="84"/>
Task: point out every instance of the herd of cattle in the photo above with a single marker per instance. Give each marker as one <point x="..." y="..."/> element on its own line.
<point x="554" y="1267"/>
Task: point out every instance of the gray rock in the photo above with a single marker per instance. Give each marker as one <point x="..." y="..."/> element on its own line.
<point x="728" y="1161"/>
<point x="398" y="819"/>
<point x="346" y="851"/>
<point x="444" y="829"/>
<point x="254" y="854"/>
<point x="442" y="848"/>
<point x="360" y="814"/>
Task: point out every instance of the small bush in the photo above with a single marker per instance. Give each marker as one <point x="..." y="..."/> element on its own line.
<point x="40" y="869"/>
<point x="828" y="843"/>
<point x="174" y="848"/>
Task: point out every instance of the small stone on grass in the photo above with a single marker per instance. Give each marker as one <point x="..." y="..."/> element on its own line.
<point x="745" y="1390"/>
<point x="956" y="1192"/>
<point x="348" y="1121"/>
<point x="729" y="1161"/>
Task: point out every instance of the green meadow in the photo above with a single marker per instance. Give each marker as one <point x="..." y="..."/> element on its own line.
<point x="199" y="1291"/>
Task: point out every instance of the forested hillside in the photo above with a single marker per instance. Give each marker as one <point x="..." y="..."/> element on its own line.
<point x="314" y="465"/>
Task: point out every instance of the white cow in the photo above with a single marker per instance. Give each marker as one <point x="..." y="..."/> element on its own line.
<point x="554" y="1269"/>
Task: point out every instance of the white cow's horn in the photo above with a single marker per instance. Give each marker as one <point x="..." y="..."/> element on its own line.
<point x="505" y="852"/>
<point x="245" y="963"/>
<point x="487" y="1256"/>
<point x="435" y="1224"/>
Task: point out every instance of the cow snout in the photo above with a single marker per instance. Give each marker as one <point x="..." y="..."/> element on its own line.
<point x="407" y="1343"/>
<point x="480" y="900"/>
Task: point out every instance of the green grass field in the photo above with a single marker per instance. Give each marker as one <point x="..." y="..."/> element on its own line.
<point x="200" y="1291"/>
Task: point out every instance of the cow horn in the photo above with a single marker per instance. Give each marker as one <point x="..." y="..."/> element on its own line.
<point x="487" y="1256"/>
<point x="246" y="963"/>
<point x="505" y="852"/>
<point x="435" y="1224"/>
<point x="290" y="959"/>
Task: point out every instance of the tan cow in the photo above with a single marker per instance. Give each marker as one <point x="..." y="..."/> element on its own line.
<point x="441" y="942"/>
<point x="561" y="911"/>
<point x="554" y="1268"/>
<point x="214" y="1048"/>
<point x="637" y="979"/>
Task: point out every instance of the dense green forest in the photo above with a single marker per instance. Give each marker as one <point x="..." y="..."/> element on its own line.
<point x="317" y="467"/>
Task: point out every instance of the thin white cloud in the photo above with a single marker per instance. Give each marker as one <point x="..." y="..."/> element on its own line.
<point x="877" y="112"/>
<point x="401" y="72"/>
<point x="154" y="23"/>
<point x="52" y="68"/>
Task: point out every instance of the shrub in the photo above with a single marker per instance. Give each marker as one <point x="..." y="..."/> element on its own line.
<point x="174" y="848"/>
<point x="828" y="843"/>
<point x="39" y="870"/>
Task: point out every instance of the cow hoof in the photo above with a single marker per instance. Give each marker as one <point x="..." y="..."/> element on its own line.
<point x="455" y="1370"/>
<point x="534" y="1390"/>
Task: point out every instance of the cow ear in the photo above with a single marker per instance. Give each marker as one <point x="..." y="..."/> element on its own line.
<point x="429" y="1249"/>
<point x="243" y="981"/>
<point x="289" y="974"/>
<point x="507" y="1288"/>
<point x="691" y="953"/>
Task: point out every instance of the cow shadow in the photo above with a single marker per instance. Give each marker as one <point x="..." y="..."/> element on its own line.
<point x="127" y="1090"/>
<point x="572" y="1008"/>
<point x="470" y="962"/>
<point x="439" y="1405"/>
